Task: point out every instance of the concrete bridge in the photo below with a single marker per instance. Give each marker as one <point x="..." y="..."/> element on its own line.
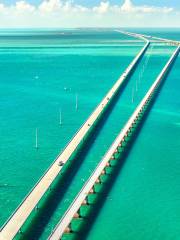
<point x="14" y="224"/>
<point x="144" y="36"/>
<point x="64" y="226"/>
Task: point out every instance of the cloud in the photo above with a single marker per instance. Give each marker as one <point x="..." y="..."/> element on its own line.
<point x="128" y="6"/>
<point x="102" y="8"/>
<point x="24" y="6"/>
<point x="66" y="13"/>
<point x="1" y="7"/>
<point x="50" y="5"/>
<point x="55" y="6"/>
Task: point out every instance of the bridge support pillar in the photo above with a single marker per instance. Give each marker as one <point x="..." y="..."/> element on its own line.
<point x="77" y="215"/>
<point x="107" y="164"/>
<point x="98" y="181"/>
<point x="103" y="172"/>
<point x="84" y="202"/>
<point x="67" y="230"/>
<point x="92" y="191"/>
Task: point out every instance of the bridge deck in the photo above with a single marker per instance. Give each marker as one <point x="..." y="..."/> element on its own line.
<point x="64" y="223"/>
<point x="18" y="218"/>
<point x="165" y="40"/>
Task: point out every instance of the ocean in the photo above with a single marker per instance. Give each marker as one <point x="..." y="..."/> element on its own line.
<point x="42" y="71"/>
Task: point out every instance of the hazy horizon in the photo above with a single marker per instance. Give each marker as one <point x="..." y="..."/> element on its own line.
<point x="97" y="13"/>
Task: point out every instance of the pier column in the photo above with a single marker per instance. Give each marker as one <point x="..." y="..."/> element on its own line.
<point x="68" y="230"/>
<point x="76" y="215"/>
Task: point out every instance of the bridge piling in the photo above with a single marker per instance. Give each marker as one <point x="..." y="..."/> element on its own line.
<point x="21" y="214"/>
<point x="66" y="219"/>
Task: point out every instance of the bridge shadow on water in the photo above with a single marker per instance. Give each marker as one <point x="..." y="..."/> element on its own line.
<point x="34" y="227"/>
<point x="89" y="220"/>
<point x="101" y="197"/>
<point x="43" y="215"/>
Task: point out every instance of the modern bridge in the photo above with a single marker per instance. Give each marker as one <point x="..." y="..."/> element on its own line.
<point x="14" y="224"/>
<point x="64" y="226"/>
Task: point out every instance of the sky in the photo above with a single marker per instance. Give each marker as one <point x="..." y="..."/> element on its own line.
<point x="89" y="13"/>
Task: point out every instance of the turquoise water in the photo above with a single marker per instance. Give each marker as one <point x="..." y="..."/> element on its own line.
<point x="62" y="38"/>
<point x="35" y="83"/>
<point x="144" y="200"/>
<point x="41" y="74"/>
<point x="169" y="33"/>
<point x="104" y="138"/>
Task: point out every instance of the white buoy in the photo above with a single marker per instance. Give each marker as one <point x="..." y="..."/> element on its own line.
<point x="60" y="117"/>
<point x="76" y="102"/>
<point x="36" y="146"/>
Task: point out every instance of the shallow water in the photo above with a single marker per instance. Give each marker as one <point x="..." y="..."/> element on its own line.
<point x="35" y="83"/>
<point x="144" y="200"/>
<point x="41" y="74"/>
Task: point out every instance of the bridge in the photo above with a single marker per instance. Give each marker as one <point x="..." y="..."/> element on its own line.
<point x="165" y="40"/>
<point x="144" y="36"/>
<point x="14" y="224"/>
<point x="64" y="226"/>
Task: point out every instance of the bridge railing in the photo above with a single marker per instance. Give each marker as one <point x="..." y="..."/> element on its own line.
<point x="144" y="36"/>
<point x="22" y="212"/>
<point x="72" y="212"/>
